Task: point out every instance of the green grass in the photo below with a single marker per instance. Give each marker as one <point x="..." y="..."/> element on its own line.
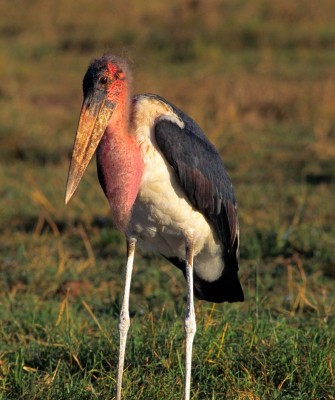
<point x="259" y="78"/>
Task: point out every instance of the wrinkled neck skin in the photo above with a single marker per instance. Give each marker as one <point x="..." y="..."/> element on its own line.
<point x="120" y="166"/>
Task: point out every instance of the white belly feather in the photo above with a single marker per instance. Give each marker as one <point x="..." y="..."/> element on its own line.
<point x="163" y="220"/>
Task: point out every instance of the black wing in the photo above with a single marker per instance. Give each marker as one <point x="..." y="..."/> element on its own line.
<point x="202" y="175"/>
<point x="205" y="181"/>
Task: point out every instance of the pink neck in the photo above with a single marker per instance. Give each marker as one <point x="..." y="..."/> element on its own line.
<point x="121" y="165"/>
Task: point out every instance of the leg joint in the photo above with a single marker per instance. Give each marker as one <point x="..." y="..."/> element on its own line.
<point x="190" y="324"/>
<point x="124" y="323"/>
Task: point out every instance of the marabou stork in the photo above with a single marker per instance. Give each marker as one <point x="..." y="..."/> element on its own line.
<point x="167" y="188"/>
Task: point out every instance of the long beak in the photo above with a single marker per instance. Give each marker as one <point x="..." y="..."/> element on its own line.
<point x="95" y="114"/>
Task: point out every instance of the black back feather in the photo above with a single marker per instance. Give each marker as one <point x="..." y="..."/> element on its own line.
<point x="203" y="177"/>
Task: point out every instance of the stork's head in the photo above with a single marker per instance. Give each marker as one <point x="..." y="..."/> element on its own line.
<point x="105" y="84"/>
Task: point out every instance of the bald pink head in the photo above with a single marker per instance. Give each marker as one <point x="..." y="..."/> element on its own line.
<point x="109" y="75"/>
<point x="105" y="88"/>
<point x="104" y="124"/>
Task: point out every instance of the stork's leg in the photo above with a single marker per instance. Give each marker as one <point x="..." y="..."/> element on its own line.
<point x="190" y="323"/>
<point x="124" y="321"/>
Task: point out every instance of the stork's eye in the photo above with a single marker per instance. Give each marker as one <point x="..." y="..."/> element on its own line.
<point x="103" y="80"/>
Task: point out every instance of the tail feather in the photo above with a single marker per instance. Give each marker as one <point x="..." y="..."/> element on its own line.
<point x="226" y="288"/>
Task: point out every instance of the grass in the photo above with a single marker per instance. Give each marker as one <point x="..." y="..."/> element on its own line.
<point x="259" y="78"/>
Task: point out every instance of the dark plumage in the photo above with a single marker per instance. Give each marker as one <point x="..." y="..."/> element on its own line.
<point x="202" y="175"/>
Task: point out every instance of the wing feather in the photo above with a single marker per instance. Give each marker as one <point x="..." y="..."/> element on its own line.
<point x="203" y="177"/>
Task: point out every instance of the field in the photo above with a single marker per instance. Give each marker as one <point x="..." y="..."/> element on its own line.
<point x="259" y="78"/>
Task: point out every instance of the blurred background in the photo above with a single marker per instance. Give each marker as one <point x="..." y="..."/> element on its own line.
<point x="259" y="78"/>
